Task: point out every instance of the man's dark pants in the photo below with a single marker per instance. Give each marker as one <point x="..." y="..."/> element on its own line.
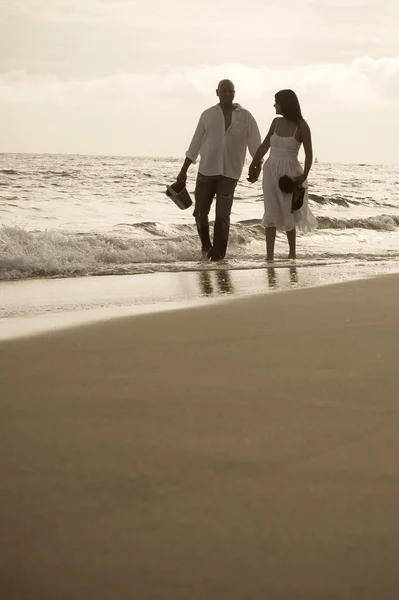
<point x="205" y="190"/>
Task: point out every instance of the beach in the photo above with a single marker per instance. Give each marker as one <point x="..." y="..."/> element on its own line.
<point x="236" y="449"/>
<point x="186" y="416"/>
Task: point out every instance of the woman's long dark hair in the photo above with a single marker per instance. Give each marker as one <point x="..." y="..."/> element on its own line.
<point x="289" y="103"/>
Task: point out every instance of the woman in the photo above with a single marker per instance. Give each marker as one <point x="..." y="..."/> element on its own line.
<point x="286" y="134"/>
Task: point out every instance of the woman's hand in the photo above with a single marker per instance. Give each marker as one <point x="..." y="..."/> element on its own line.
<point x="299" y="180"/>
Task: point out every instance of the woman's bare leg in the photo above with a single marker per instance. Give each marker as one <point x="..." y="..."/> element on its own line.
<point x="270" y="239"/>
<point x="291" y="237"/>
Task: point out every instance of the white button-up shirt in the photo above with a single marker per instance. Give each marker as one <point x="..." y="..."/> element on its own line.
<point x="223" y="152"/>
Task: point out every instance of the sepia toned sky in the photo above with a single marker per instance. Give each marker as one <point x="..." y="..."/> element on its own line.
<point x="130" y="77"/>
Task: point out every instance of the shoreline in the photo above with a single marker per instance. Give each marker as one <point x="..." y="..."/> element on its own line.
<point x="35" y="307"/>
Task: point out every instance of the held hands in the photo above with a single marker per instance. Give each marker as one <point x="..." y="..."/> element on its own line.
<point x="254" y="172"/>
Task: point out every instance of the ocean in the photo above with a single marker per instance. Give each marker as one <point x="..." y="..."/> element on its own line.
<point x="64" y="216"/>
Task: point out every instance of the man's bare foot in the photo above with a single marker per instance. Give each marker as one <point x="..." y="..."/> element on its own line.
<point x="291" y="256"/>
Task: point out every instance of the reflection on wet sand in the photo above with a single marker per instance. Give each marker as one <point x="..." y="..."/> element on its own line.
<point x="294" y="276"/>
<point x="224" y="282"/>
<point x="220" y="281"/>
<point x="205" y="283"/>
<point x="215" y="282"/>
<point x="273" y="277"/>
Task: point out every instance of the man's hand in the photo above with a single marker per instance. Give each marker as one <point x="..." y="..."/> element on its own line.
<point x="182" y="176"/>
<point x="254" y="172"/>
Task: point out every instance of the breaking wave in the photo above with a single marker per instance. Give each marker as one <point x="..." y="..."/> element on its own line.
<point x="151" y="246"/>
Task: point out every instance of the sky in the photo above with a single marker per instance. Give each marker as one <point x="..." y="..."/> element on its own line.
<point x="131" y="77"/>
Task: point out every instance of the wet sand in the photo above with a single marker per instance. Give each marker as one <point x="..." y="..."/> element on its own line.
<point x="246" y="449"/>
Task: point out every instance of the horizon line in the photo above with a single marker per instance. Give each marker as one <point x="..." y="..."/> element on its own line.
<point x="178" y="158"/>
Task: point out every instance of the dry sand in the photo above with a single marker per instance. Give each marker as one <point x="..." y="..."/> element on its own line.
<point x="246" y="450"/>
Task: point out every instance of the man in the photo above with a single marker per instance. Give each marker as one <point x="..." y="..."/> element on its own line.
<point x="223" y="134"/>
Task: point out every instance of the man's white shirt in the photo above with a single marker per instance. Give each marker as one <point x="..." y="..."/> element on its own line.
<point x="223" y="152"/>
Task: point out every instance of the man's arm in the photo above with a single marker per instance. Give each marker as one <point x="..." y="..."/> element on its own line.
<point x="182" y="176"/>
<point x="193" y="150"/>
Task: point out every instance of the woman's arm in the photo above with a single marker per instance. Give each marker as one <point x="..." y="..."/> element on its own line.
<point x="265" y="145"/>
<point x="306" y="137"/>
<point x="254" y="167"/>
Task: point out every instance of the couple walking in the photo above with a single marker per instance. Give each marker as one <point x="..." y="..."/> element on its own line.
<point x="223" y="134"/>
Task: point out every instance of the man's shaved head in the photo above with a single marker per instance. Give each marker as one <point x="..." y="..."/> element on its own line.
<point x="225" y="84"/>
<point x="225" y="93"/>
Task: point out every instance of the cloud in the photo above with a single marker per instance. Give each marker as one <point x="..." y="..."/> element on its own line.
<point x="311" y="19"/>
<point x="92" y="38"/>
<point x="56" y="10"/>
<point x="382" y="74"/>
<point x="365" y="81"/>
<point x="134" y="12"/>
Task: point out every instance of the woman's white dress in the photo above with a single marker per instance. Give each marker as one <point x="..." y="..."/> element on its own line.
<point x="283" y="160"/>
